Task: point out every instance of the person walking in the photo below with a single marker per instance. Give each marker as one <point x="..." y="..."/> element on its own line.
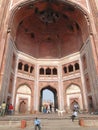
<point x="74" y="115"/>
<point x="37" y="123"/>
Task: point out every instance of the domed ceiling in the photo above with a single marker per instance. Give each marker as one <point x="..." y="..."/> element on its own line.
<point x="49" y="29"/>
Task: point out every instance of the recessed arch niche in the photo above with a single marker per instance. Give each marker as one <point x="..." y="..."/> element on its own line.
<point x="73" y="95"/>
<point x="23" y="99"/>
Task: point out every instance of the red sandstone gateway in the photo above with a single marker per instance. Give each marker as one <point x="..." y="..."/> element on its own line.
<point x="49" y="45"/>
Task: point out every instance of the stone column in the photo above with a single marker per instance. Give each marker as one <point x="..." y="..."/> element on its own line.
<point x="94" y="50"/>
<point x="60" y="88"/>
<point x="14" y="82"/>
<point x="84" y="93"/>
<point x="36" y="89"/>
<point x="92" y="75"/>
<point x="3" y="39"/>
<point x="3" y="28"/>
<point x="2" y="69"/>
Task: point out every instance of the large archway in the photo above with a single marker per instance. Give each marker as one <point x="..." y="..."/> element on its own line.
<point x="48" y="96"/>
<point x="49" y="30"/>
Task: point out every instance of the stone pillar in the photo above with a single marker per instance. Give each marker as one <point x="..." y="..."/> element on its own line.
<point x="93" y="70"/>
<point x="60" y="88"/>
<point x="14" y="82"/>
<point x="95" y="51"/>
<point x="3" y="38"/>
<point x="3" y="28"/>
<point x="2" y="69"/>
<point x="84" y="93"/>
<point x="36" y="89"/>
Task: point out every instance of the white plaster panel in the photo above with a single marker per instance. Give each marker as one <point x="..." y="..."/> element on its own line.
<point x="73" y="89"/>
<point x="25" y="76"/>
<point x="71" y="76"/>
<point x="24" y="89"/>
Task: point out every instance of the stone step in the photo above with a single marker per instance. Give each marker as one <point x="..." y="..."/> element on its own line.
<point x="48" y="121"/>
<point x="45" y="123"/>
<point x="56" y="125"/>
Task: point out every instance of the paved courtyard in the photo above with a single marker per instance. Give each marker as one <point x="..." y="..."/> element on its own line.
<point x="66" y="128"/>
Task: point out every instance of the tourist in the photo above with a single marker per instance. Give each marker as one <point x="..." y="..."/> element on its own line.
<point x="3" y="108"/>
<point x="74" y="115"/>
<point x="76" y="107"/>
<point x="50" y="107"/>
<point x="37" y="123"/>
<point x="44" y="109"/>
<point x="10" y="109"/>
<point x="7" y="109"/>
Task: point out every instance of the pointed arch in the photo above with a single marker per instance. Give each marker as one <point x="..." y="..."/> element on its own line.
<point x="24" y="89"/>
<point x="54" y="92"/>
<point x="73" y="89"/>
<point x="23" y="99"/>
<point x="73" y="95"/>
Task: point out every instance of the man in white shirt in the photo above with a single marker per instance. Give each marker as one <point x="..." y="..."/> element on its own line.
<point x="37" y="123"/>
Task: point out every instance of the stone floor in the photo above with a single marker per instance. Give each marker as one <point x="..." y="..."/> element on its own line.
<point x="65" y="128"/>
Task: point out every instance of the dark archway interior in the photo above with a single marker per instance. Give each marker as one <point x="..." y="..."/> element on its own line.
<point x="49" y="29"/>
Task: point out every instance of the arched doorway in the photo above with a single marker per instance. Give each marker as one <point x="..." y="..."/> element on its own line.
<point x="23" y="106"/>
<point x="48" y="97"/>
<point x="23" y="99"/>
<point x="90" y="104"/>
<point x="74" y="96"/>
<point x="73" y="103"/>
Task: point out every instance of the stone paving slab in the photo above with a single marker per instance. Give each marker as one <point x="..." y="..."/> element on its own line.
<point x="66" y="128"/>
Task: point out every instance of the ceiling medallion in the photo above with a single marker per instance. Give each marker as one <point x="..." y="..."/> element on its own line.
<point x="49" y="16"/>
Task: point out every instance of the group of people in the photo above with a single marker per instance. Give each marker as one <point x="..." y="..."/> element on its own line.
<point x="47" y="108"/>
<point x="37" y="122"/>
<point x="6" y="109"/>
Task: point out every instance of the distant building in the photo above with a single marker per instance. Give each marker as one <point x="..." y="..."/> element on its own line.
<point x="52" y="45"/>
